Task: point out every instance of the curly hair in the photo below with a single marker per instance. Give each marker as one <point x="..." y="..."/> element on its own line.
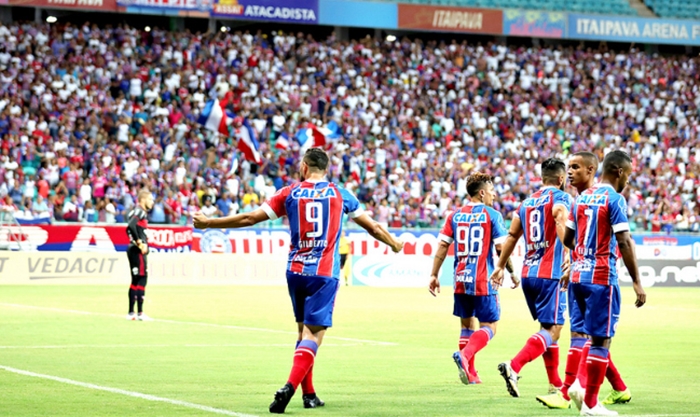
<point x="476" y="182"/>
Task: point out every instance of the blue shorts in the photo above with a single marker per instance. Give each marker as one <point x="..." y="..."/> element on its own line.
<point x="313" y="298"/>
<point x="486" y="308"/>
<point x="575" y="313"/>
<point x="545" y="300"/>
<point x="601" y="308"/>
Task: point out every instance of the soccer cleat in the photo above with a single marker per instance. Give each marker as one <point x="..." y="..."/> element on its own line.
<point x="554" y="401"/>
<point x="312" y="401"/>
<point x="511" y="378"/>
<point x="553" y="389"/>
<point x="577" y="394"/>
<point x="598" y="410"/>
<point x="143" y="317"/>
<point x="618" y="397"/>
<point x="474" y="378"/>
<point x="131" y="316"/>
<point x="464" y="375"/>
<point x="282" y="398"/>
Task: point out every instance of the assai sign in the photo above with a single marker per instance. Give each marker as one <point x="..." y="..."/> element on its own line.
<point x="291" y="11"/>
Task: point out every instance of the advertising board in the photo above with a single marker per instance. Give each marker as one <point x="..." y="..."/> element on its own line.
<point x="288" y="11"/>
<point x="89" y="238"/>
<point x="36" y="268"/>
<point x="451" y="19"/>
<point x="533" y="23"/>
<point x="633" y="29"/>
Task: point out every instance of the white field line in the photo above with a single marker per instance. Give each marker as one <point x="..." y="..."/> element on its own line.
<point x="134" y="394"/>
<point x="634" y="415"/>
<point x="187" y="345"/>
<point x="197" y="323"/>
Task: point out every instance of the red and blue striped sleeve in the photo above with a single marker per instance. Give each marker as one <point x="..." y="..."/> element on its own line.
<point x="351" y="205"/>
<point x="447" y="232"/>
<point x="617" y="209"/>
<point x="563" y="199"/>
<point x="498" y="227"/>
<point x="276" y="207"/>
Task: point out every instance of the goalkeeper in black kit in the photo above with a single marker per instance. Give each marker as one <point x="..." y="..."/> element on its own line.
<point x="137" y="253"/>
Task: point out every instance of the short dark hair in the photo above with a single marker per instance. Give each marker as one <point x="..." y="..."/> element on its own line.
<point x="316" y="158"/>
<point x="552" y="168"/>
<point x="615" y="160"/>
<point x="476" y="182"/>
<point x="589" y="157"/>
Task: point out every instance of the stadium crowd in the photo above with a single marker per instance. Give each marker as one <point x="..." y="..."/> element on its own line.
<point x="90" y="115"/>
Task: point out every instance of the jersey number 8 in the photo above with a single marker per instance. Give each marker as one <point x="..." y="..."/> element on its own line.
<point x="470" y="240"/>
<point x="535" y="227"/>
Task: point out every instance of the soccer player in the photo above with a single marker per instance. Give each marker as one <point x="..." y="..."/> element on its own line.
<point x="315" y="209"/>
<point x="476" y="229"/>
<point x="581" y="173"/>
<point x="597" y="224"/>
<point x="137" y="253"/>
<point x="541" y="218"/>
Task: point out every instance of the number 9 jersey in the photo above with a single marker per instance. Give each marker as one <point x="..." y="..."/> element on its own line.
<point x="315" y="211"/>
<point x="476" y="229"/>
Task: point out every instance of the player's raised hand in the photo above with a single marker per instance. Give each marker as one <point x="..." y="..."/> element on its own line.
<point x="434" y="286"/>
<point x="200" y="220"/>
<point x="397" y="246"/>
<point x="641" y="295"/>
<point x="497" y="278"/>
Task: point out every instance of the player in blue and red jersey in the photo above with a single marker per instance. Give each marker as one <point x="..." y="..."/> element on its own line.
<point x="541" y="218"/>
<point x="598" y="225"/>
<point x="477" y="229"/>
<point x="581" y="174"/>
<point x="315" y="208"/>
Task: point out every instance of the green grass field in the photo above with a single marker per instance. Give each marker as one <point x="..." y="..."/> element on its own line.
<point x="230" y="348"/>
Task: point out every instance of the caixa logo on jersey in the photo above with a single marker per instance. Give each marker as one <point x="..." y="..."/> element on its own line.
<point x="323" y="193"/>
<point x="657" y="273"/>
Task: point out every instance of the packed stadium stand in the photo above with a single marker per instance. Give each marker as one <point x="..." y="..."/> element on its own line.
<point x="618" y="7"/>
<point x="682" y="9"/>
<point x="90" y="115"/>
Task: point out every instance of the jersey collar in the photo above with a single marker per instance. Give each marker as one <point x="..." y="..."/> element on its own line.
<point x="601" y="185"/>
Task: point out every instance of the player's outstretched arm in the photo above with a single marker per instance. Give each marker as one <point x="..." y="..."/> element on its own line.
<point x="515" y="233"/>
<point x="378" y="232"/>
<point x="231" y="222"/>
<point x="626" y="245"/>
<point x="434" y="285"/>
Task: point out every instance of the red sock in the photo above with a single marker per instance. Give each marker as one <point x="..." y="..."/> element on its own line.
<point x="477" y="341"/>
<point x="463" y="342"/>
<point x="551" y="364"/>
<point x="572" y="361"/>
<point x="307" y="384"/>
<point x="303" y="362"/>
<point x="614" y="376"/>
<point x="582" y="374"/>
<point x="597" y="364"/>
<point x="536" y="345"/>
